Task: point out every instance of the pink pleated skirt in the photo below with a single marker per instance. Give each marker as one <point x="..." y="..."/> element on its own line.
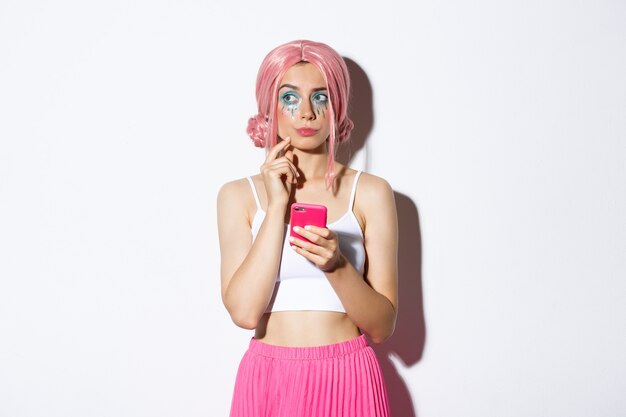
<point x="337" y="380"/>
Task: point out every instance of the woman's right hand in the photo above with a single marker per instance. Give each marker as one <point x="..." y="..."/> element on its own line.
<point x="279" y="174"/>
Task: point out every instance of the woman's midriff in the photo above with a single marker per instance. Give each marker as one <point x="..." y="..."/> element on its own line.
<point x="305" y="328"/>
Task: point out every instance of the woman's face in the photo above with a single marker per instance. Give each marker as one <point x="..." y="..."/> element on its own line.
<point x="302" y="111"/>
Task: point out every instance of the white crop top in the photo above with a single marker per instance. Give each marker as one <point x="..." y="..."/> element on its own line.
<point x="300" y="284"/>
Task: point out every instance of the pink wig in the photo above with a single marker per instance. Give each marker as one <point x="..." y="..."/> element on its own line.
<point x="262" y="128"/>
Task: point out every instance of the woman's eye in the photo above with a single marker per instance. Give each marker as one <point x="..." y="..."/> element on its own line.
<point x="320" y="98"/>
<point x="290" y="99"/>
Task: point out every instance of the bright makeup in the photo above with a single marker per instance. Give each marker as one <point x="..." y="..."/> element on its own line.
<point x="306" y="131"/>
<point x="320" y="102"/>
<point x="290" y="100"/>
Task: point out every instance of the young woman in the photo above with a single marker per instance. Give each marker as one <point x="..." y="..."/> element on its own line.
<point x="308" y="301"/>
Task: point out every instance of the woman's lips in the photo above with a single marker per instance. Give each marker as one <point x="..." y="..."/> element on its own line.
<point x="305" y="131"/>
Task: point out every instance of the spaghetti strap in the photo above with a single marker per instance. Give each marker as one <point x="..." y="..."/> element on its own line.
<point x="254" y="193"/>
<point x="353" y="193"/>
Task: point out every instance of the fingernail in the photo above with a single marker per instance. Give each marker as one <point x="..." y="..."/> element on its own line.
<point x="291" y="238"/>
<point x="296" y="228"/>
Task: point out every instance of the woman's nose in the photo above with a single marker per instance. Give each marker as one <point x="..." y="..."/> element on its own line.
<point x="306" y="110"/>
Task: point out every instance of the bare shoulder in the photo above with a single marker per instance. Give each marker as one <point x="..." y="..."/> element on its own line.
<point x="232" y="191"/>
<point x="235" y="196"/>
<point x="374" y="200"/>
<point x="371" y="188"/>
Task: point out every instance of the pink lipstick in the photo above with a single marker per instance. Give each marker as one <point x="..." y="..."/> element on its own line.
<point x="306" y="131"/>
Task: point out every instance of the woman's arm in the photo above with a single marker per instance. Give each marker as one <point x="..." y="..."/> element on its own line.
<point x="249" y="270"/>
<point x="371" y="303"/>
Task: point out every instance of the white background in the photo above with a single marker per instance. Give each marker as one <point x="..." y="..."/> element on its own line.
<point x="501" y="125"/>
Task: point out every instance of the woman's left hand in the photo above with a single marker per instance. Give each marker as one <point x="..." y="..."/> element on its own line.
<point x="323" y="250"/>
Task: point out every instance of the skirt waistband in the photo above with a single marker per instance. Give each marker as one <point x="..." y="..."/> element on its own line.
<point x="308" y="352"/>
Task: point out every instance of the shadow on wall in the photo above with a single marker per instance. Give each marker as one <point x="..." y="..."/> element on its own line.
<point x="361" y="112"/>
<point x="408" y="340"/>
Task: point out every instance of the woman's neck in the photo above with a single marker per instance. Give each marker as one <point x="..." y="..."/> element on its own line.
<point x="311" y="165"/>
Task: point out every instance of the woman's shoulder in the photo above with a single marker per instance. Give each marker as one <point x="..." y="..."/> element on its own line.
<point x="372" y="186"/>
<point x="374" y="196"/>
<point x="235" y="195"/>
<point x="233" y="187"/>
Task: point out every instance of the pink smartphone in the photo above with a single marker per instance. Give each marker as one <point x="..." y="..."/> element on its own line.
<point x="303" y="214"/>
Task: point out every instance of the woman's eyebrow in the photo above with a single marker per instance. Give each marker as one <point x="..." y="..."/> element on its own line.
<point x="293" y="87"/>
